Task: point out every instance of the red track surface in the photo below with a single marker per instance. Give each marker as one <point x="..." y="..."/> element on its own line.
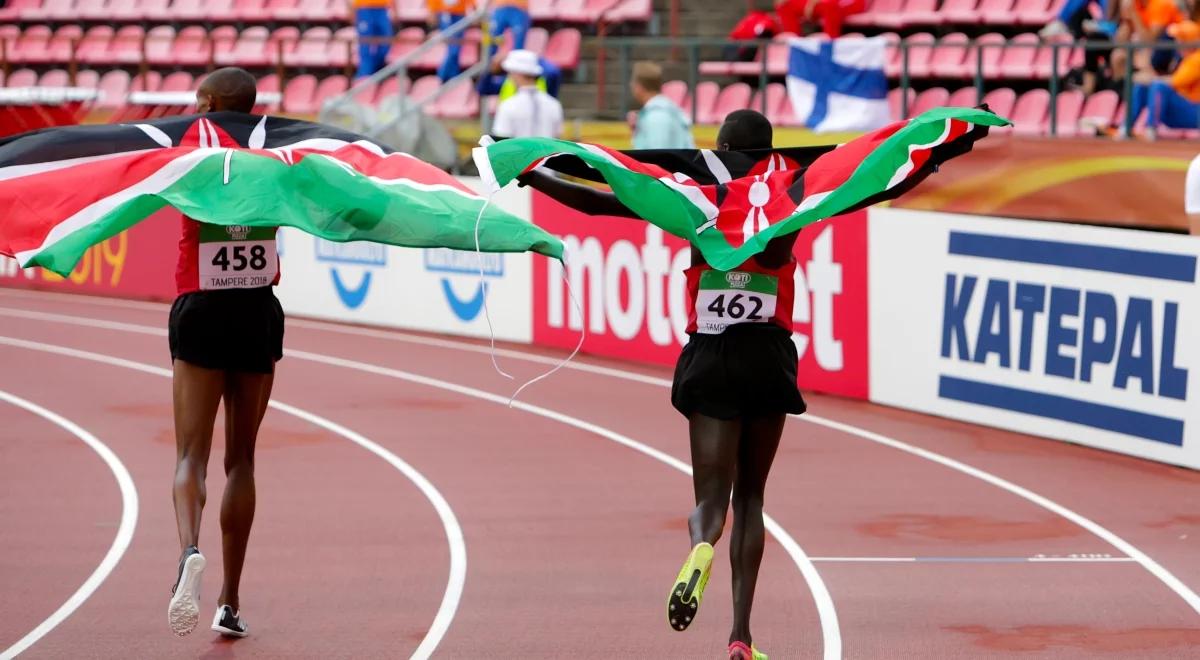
<point x="571" y="538"/>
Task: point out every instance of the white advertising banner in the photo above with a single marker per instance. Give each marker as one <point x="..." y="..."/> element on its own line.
<point x="1083" y="334"/>
<point x="434" y="290"/>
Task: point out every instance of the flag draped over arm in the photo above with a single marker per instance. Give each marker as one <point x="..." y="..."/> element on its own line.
<point x="730" y="205"/>
<point x="63" y="190"/>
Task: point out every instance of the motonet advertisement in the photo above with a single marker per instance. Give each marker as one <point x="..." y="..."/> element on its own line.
<point x="627" y="289"/>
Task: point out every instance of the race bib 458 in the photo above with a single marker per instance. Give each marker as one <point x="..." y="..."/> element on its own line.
<point x="730" y="298"/>
<point x="237" y="257"/>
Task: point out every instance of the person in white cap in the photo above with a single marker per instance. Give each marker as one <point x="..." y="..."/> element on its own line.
<point x="530" y="112"/>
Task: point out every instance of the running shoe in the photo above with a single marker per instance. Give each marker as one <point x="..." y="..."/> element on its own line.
<point x="229" y="623"/>
<point x="688" y="591"/>
<point x="739" y="651"/>
<point x="183" y="612"/>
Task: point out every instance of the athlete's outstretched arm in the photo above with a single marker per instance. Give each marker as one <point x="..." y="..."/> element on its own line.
<point x="584" y="199"/>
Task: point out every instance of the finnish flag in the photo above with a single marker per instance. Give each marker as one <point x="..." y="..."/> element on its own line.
<point x="838" y="85"/>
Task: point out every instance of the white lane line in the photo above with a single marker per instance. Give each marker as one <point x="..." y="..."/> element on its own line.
<point x="974" y="560"/>
<point x="826" y="612"/>
<point x="454" y="533"/>
<point x="129" y="516"/>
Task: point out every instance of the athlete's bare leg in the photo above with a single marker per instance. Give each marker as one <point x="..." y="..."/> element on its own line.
<point x="714" y="461"/>
<point x="246" y="397"/>
<point x="197" y="393"/>
<point x="756" y="453"/>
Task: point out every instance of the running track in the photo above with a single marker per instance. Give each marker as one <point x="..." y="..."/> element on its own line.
<point x="403" y="510"/>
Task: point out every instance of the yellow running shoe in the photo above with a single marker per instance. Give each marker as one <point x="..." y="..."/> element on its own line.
<point x="688" y="591"/>
<point x="739" y="651"/>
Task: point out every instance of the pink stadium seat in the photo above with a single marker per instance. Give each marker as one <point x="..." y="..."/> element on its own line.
<point x="312" y="50"/>
<point x="778" y="103"/>
<point x="920" y="12"/>
<point x="962" y="12"/>
<point x="894" y="105"/>
<point x="124" y="11"/>
<point x="1035" y="12"/>
<point x="32" y="44"/>
<point x="582" y="11"/>
<point x="93" y="48"/>
<point x="23" y="78"/>
<point x="993" y="51"/>
<point x="269" y="83"/>
<point x="203" y="10"/>
<point x="150" y="81"/>
<point x="285" y="10"/>
<point x="1042" y="66"/>
<point x="50" y="10"/>
<point x="405" y="42"/>
<point x="887" y="13"/>
<point x="460" y="102"/>
<point x="1069" y="107"/>
<point x="996" y="12"/>
<point x="411" y="11"/>
<point x="705" y="99"/>
<point x="192" y="47"/>
<point x="60" y="47"/>
<point x="1001" y="101"/>
<point x="126" y="45"/>
<point x="250" y="49"/>
<point x="298" y="95"/>
<point x="542" y="10"/>
<point x="927" y="100"/>
<point x="224" y="40"/>
<point x="920" y="54"/>
<point x="322" y="10"/>
<point x="1101" y="108"/>
<point x="55" y="78"/>
<point x="88" y="79"/>
<point x="732" y="97"/>
<point x="160" y="45"/>
<point x="341" y="50"/>
<point x="950" y="57"/>
<point x="9" y="34"/>
<point x="563" y="48"/>
<point x="963" y="97"/>
<point x="537" y="39"/>
<point x="19" y="10"/>
<point x="113" y="87"/>
<point x="1019" y="55"/>
<point x="676" y="91"/>
<point x="630" y="11"/>
<point x="179" y="81"/>
<point x="250" y="11"/>
<point x="281" y="42"/>
<point x="329" y="88"/>
<point x="421" y="89"/>
<point x="92" y="10"/>
<point x="1030" y="112"/>
<point x="156" y="11"/>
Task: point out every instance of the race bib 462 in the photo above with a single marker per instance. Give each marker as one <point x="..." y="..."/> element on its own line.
<point x="730" y="298"/>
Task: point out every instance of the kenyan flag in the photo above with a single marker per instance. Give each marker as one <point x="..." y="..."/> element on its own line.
<point x="63" y="190"/>
<point x="731" y="204"/>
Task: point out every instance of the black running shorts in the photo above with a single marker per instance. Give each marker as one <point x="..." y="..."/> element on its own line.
<point x="231" y="330"/>
<point x="746" y="371"/>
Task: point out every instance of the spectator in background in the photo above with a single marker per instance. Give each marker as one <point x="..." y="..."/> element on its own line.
<point x="660" y="124"/>
<point x="829" y="15"/>
<point x="530" y="112"/>
<point x="443" y="14"/>
<point x="372" y="21"/>
<point x="1149" y="20"/>
<point x="497" y="83"/>
<point x="510" y="15"/>
<point x="1172" y="101"/>
<point x="754" y="25"/>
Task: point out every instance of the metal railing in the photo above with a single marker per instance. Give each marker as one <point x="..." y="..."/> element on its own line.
<point x="399" y="70"/>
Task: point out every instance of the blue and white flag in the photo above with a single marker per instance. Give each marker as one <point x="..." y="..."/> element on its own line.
<point x="838" y="85"/>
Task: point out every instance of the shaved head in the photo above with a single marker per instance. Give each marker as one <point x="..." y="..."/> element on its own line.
<point x="229" y="89"/>
<point x="743" y="130"/>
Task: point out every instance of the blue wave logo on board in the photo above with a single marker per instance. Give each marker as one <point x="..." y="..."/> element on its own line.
<point x="356" y="261"/>
<point x="464" y="266"/>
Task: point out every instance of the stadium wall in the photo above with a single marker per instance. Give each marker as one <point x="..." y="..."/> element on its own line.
<point x="1071" y="332"/>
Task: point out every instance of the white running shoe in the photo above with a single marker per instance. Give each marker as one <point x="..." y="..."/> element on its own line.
<point x="229" y="623"/>
<point x="183" y="613"/>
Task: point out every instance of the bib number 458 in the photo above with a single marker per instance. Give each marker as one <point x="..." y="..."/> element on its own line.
<point x="235" y="258"/>
<point x="736" y="309"/>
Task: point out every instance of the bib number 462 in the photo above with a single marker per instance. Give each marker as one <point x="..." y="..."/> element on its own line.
<point x="735" y="308"/>
<point x="235" y="258"/>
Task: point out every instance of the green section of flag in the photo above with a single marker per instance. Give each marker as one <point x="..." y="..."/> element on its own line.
<point x="318" y="195"/>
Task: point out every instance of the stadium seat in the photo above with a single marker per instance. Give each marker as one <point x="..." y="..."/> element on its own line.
<point x="22" y="78"/>
<point x="732" y="97"/>
<point x="422" y="89"/>
<point x="405" y="42"/>
<point x="676" y="91"/>
<point x="123" y="11"/>
<point x="963" y="97"/>
<point x="150" y="81"/>
<point x="703" y="98"/>
<point x="298" y="95"/>
<point x="9" y="34"/>
<point x="542" y="10"/>
<point x="50" y="10"/>
<point x="16" y="10"/>
<point x="268" y="83"/>
<point x="1019" y="55"/>
<point x="920" y="53"/>
<point x="962" y="12"/>
<point x="192" y="47"/>
<point x="563" y="48"/>
<point x="281" y="42"/>
<point x="312" y="50"/>
<point x="894" y="106"/>
<point x="996" y="12"/>
<point x="459" y="102"/>
<point x="920" y="12"/>
<point x="160" y="45"/>
<point x="1068" y="109"/>
<point x="1035" y="12"/>
<point x="777" y="99"/>
<point x="179" y="81"/>
<point x="32" y="44"/>
<point x="1101" y="108"/>
<point x="92" y="10"/>
<point x="949" y="59"/>
<point x="93" y="48"/>
<point x="285" y="10"/>
<point x="411" y="11"/>
<point x="630" y="11"/>
<point x="61" y="47"/>
<point x="537" y="39"/>
<point x="875" y="10"/>
<point x="329" y="88"/>
<point x="250" y="49"/>
<point x="203" y="10"/>
<point x="55" y="78"/>
<point x="1043" y="65"/>
<point x="114" y="88"/>
<point x="1001" y="101"/>
<point x="927" y="100"/>
<point x="993" y="51"/>
<point x="156" y="11"/>
<point x="87" y="78"/>
<point x="341" y="50"/>
<point x="126" y="46"/>
<point x="250" y="11"/>
<point x="322" y="10"/>
<point x="1030" y="112"/>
